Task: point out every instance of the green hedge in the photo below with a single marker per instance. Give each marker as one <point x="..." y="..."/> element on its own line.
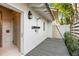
<point x="72" y="43"/>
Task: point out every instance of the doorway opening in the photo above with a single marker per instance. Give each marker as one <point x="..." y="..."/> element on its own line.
<point x="9" y="29"/>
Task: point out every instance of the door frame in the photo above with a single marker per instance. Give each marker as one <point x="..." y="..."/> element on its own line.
<point x="1" y="28"/>
<point x="21" y="24"/>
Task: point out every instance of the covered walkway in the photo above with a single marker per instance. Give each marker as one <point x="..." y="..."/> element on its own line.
<point x="50" y="47"/>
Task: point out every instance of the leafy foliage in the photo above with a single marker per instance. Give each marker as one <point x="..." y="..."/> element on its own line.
<point x="72" y="43"/>
<point x="66" y="9"/>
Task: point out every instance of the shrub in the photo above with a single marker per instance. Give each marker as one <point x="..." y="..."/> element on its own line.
<point x="71" y="42"/>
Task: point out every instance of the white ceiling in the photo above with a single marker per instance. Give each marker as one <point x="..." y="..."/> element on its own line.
<point x="41" y="9"/>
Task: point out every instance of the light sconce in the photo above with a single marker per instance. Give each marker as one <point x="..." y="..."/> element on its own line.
<point x="29" y="15"/>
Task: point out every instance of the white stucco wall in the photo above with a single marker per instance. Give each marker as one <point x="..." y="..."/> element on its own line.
<point x="50" y="30"/>
<point x="29" y="38"/>
<point x="32" y="38"/>
<point x="63" y="29"/>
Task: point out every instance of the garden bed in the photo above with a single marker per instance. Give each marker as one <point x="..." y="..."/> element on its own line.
<point x="72" y="44"/>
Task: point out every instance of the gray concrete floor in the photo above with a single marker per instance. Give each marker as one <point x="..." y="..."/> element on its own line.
<point x="50" y="47"/>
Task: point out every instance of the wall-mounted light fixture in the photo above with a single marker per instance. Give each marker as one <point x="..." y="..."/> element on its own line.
<point x="29" y="15"/>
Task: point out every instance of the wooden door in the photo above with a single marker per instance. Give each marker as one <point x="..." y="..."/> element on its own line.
<point x="0" y="29"/>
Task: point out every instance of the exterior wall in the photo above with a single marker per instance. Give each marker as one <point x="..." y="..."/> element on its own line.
<point x="32" y="38"/>
<point x="29" y="38"/>
<point x="50" y="30"/>
<point x="62" y="29"/>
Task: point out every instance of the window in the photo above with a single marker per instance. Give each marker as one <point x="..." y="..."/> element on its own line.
<point x="43" y="26"/>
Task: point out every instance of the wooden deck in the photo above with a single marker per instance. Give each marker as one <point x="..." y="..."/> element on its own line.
<point x="50" y="47"/>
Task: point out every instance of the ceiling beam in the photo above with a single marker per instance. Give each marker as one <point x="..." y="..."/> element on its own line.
<point x="49" y="11"/>
<point x="43" y="9"/>
<point x="35" y="5"/>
